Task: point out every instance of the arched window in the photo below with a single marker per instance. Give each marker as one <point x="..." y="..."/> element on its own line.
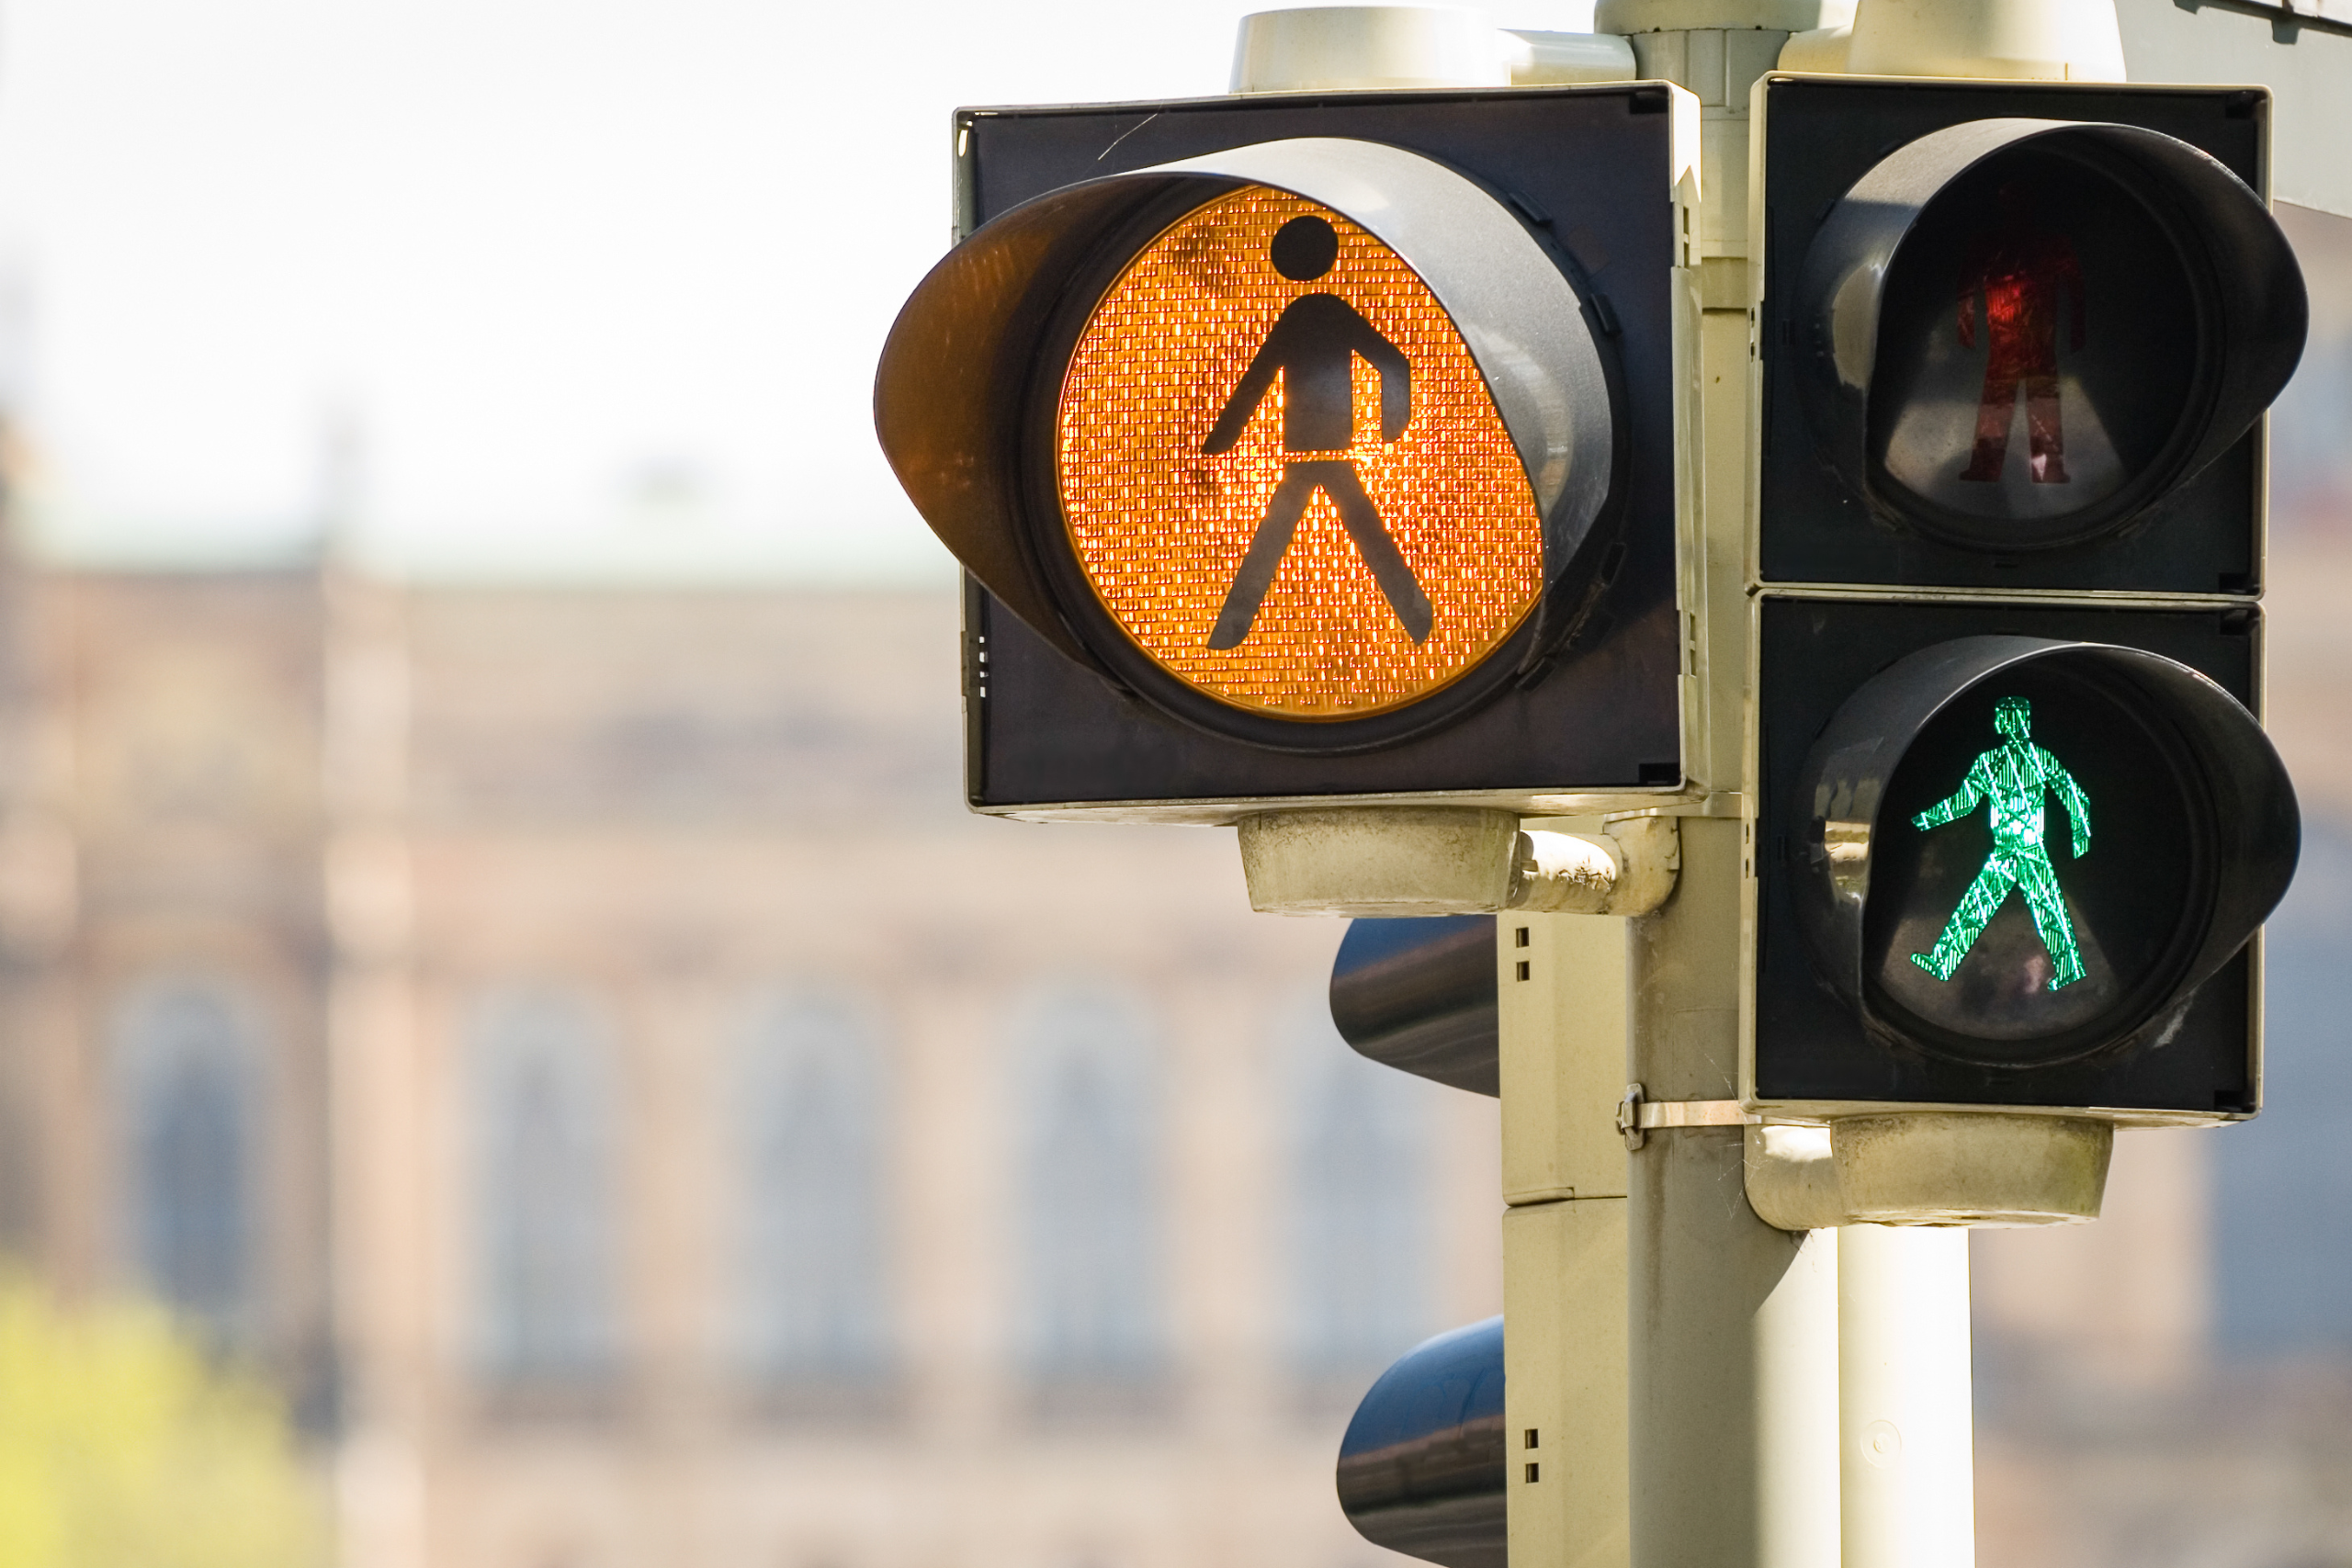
<point x="188" y="1067"/>
<point x="542" y="1081"/>
<point x="1359" y="1248"/>
<point x="812" y="1226"/>
<point x="1090" y="1195"/>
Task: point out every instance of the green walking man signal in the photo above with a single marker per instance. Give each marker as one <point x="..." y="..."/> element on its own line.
<point x="2014" y="777"/>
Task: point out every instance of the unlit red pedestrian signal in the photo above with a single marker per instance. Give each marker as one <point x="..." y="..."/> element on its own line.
<point x="2018" y="336"/>
<point x="2020" y="274"/>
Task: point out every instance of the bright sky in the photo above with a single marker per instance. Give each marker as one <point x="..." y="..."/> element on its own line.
<point x="590" y="287"/>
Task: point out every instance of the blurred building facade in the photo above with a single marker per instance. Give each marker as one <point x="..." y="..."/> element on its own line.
<point x="578" y="1041"/>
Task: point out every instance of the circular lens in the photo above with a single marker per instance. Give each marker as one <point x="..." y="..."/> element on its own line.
<point x="2040" y="870"/>
<point x="2043" y="367"/>
<point x="1283" y="482"/>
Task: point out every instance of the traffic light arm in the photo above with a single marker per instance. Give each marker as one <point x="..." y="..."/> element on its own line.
<point x="1962" y="801"/>
<point x="2078" y="806"/>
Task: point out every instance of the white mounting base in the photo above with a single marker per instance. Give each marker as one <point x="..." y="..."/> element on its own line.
<point x="1392" y="861"/>
<point x="1930" y="1168"/>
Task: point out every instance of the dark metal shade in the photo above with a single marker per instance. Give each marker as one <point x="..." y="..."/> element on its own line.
<point x="1420" y="996"/>
<point x="1423" y="1469"/>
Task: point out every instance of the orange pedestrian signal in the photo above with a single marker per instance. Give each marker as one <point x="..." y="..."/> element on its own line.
<point x="1280" y="471"/>
<point x="1322" y="448"/>
<point x="1308" y="444"/>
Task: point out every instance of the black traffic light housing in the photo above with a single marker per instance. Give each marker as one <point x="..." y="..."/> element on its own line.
<point x="2182" y="310"/>
<point x="1874" y="712"/>
<point x="2015" y="821"/>
<point x="1423" y="1467"/>
<point x="1065" y="717"/>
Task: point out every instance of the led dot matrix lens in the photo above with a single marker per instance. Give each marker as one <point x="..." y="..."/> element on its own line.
<point x="1281" y="472"/>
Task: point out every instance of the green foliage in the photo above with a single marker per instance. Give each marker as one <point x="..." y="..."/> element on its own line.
<point x="123" y="1446"/>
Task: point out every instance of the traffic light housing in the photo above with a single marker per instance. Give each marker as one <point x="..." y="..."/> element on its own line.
<point x="1310" y="450"/>
<point x="1425" y="1467"/>
<point x="1425" y="1463"/>
<point x="1420" y="996"/>
<point x="2129" y="217"/>
<point x="2168" y="837"/>
<point x="2016" y="822"/>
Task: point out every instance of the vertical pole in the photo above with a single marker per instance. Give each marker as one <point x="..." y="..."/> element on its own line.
<point x="1905" y="1425"/>
<point x="1733" y="1331"/>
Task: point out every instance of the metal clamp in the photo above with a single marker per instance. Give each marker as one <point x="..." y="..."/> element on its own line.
<point x="1638" y="1115"/>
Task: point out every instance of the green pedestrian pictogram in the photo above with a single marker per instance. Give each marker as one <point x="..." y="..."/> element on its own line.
<point x="2014" y="776"/>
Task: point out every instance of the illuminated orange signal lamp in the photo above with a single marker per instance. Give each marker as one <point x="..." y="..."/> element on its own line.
<point x="1297" y="441"/>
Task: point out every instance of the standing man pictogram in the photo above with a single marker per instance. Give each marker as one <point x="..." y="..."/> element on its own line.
<point x="1314" y="345"/>
<point x="2018" y="270"/>
<point x="2014" y="777"/>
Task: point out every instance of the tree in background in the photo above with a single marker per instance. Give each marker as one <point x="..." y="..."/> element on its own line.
<point x="124" y="1444"/>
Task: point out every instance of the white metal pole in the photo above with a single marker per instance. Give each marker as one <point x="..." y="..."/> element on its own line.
<point x="1732" y="1393"/>
<point x="1906" y="1427"/>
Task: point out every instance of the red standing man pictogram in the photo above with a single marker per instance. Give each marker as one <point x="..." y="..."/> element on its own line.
<point x="2018" y="270"/>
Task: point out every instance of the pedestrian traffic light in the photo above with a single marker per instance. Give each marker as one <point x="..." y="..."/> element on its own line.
<point x="2010" y="850"/>
<point x="1310" y="449"/>
<point x="2016" y="820"/>
<point x="2016" y="336"/>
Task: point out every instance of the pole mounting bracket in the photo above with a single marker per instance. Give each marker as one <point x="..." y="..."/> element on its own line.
<point x="1638" y="1115"/>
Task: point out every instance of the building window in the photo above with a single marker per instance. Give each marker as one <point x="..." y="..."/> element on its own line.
<point x="1359" y="1248"/>
<point x="1090" y="1200"/>
<point x="188" y="1063"/>
<point x="542" y="1080"/>
<point x="813" y="1232"/>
